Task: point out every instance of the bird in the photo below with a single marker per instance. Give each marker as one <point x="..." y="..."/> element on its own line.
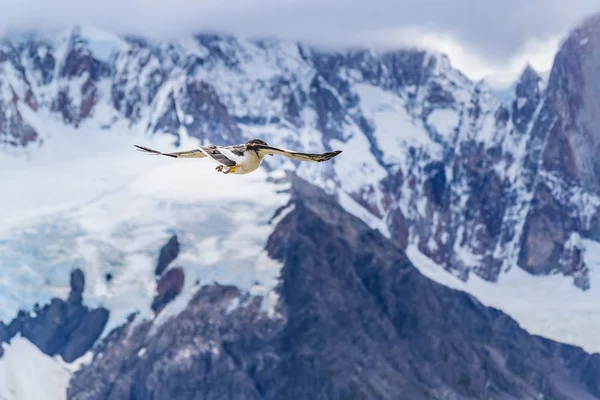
<point x="242" y="158"/>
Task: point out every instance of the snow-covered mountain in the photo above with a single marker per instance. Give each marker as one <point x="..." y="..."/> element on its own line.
<point x="498" y="199"/>
<point x="437" y="160"/>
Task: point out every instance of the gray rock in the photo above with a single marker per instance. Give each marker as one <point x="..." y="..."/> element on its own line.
<point x="168" y="287"/>
<point x="65" y="328"/>
<point x="168" y="253"/>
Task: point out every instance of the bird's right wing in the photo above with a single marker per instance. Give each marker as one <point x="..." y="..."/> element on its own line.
<point x="196" y="153"/>
<point x="316" y="157"/>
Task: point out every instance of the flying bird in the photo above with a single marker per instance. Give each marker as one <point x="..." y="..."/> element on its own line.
<point x="242" y="158"/>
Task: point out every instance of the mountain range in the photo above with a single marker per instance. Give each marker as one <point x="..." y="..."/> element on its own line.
<point x="155" y="279"/>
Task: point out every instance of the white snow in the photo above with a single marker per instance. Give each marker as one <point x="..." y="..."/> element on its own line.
<point x="191" y="46"/>
<point x="361" y="166"/>
<point x="28" y="374"/>
<point x="549" y="306"/>
<point x="395" y="130"/>
<point x="350" y="205"/>
<point x="103" y="45"/>
<point x="444" y="121"/>
<point x="488" y="132"/>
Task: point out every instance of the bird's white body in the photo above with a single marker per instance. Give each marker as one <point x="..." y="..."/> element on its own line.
<point x="247" y="163"/>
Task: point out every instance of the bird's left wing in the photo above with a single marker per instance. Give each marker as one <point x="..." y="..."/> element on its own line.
<point x="196" y="153"/>
<point x="316" y="157"/>
<point x="223" y="155"/>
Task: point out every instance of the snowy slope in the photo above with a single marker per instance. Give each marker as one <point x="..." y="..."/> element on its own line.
<point x="28" y="374"/>
<point x="548" y="306"/>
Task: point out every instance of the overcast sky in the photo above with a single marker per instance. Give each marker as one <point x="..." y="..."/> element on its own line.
<point x="482" y="37"/>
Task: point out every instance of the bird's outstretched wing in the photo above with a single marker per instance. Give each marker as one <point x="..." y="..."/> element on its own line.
<point x="316" y="157"/>
<point x="227" y="156"/>
<point x="196" y="153"/>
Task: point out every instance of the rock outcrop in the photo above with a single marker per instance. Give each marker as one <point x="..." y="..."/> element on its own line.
<point x="66" y="328"/>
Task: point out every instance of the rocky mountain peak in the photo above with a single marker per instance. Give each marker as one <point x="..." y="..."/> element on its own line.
<point x="573" y="93"/>
<point x="528" y="83"/>
<point x="565" y="205"/>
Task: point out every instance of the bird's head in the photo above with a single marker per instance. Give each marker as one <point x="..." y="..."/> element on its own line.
<point x="257" y="141"/>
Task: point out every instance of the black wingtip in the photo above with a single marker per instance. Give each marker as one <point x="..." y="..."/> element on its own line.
<point x="146" y="150"/>
<point x="330" y="155"/>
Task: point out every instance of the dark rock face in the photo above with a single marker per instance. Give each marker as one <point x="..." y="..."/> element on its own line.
<point x="67" y="328"/>
<point x="358" y="321"/>
<point x="79" y="60"/>
<point x="407" y="68"/>
<point x="544" y="232"/>
<point x="572" y="91"/>
<point x="79" y="63"/>
<point x="209" y="353"/>
<point x="196" y="107"/>
<point x="15" y="130"/>
<point x="42" y="60"/>
<point x="292" y="98"/>
<point x="564" y="206"/>
<point x="208" y="117"/>
<point x="132" y="92"/>
<point x="527" y="98"/>
<point x="169" y="121"/>
<point x="168" y="253"/>
<point x="169" y="286"/>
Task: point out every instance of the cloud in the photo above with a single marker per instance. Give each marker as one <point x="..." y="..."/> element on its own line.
<point x="499" y="73"/>
<point x="484" y="36"/>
